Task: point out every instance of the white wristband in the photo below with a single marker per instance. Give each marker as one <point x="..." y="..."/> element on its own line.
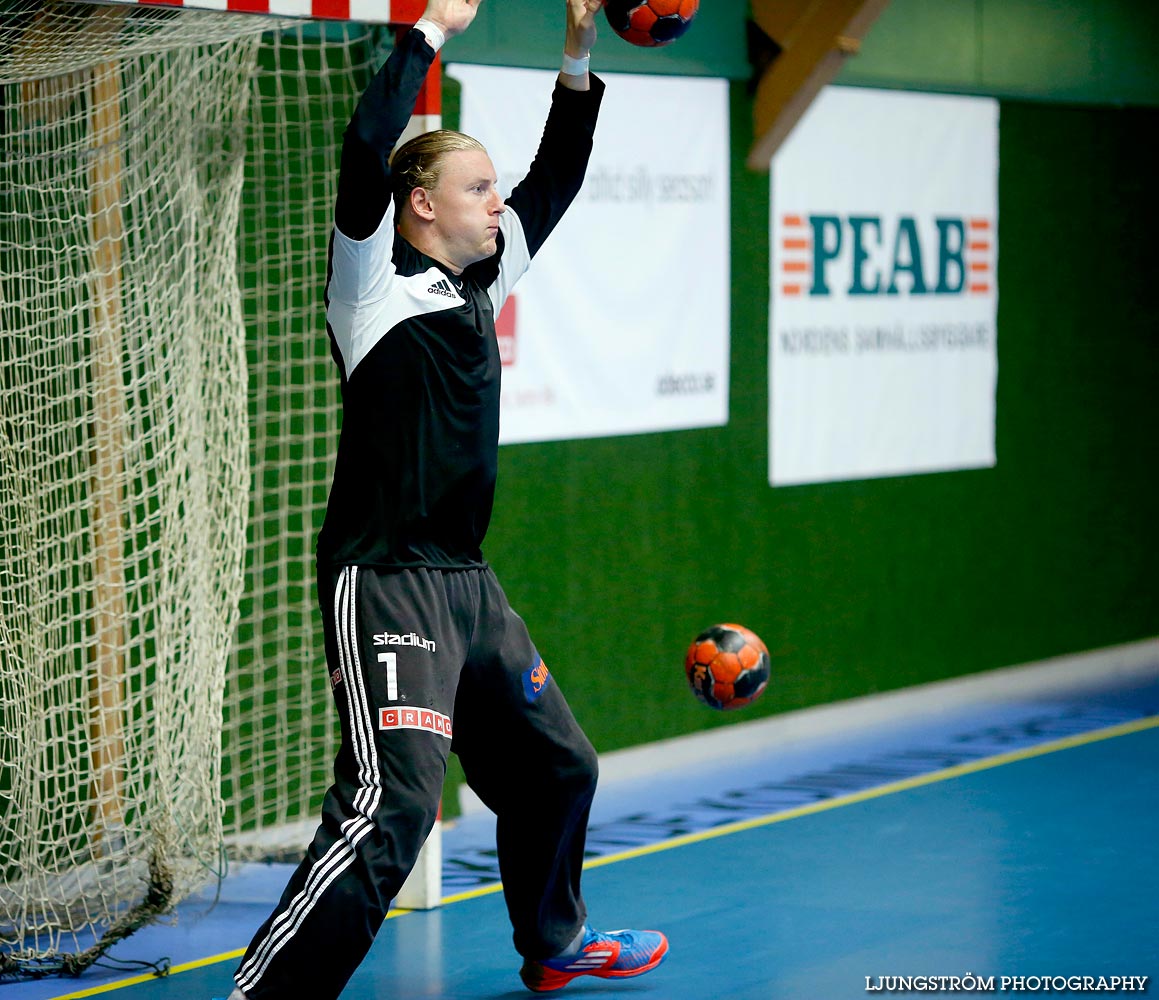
<point x="433" y="32"/>
<point x="573" y="66"/>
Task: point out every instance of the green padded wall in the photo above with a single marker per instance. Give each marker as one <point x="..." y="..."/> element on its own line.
<point x="618" y="551"/>
<point x="1082" y="51"/>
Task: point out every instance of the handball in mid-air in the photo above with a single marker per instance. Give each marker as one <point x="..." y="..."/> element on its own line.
<point x="727" y="667"/>
<point x="650" y="22"/>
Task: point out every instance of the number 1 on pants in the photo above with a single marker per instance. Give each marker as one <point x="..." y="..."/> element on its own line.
<point x="391" y="661"/>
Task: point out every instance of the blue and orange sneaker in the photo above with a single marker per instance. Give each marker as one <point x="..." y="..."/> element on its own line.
<point x="607" y="954"/>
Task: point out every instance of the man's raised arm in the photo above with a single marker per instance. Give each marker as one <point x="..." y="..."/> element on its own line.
<point x="578" y="42"/>
<point x="557" y="172"/>
<point x="383" y="112"/>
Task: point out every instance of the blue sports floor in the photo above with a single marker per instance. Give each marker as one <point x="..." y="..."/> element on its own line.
<point x="1008" y="836"/>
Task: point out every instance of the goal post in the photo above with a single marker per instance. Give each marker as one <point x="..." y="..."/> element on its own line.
<point x="359" y="11"/>
<point x="169" y="414"/>
<point x="107" y="451"/>
<point x="124" y="478"/>
<point x="278" y="735"/>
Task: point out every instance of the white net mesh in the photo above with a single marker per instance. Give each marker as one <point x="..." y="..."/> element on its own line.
<point x="166" y="180"/>
<point x="280" y="727"/>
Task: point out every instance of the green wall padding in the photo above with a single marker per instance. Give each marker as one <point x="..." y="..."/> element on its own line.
<point x="1082" y="51"/>
<point x="618" y="551"/>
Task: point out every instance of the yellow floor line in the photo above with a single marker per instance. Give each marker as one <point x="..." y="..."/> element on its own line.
<point x="984" y="764"/>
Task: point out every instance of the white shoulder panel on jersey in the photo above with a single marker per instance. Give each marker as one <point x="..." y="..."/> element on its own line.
<point x="368" y="298"/>
<point x="359" y="326"/>
<point x="363" y="268"/>
<point x="516" y="259"/>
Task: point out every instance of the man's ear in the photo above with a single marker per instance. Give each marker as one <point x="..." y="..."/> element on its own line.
<point x="420" y="203"/>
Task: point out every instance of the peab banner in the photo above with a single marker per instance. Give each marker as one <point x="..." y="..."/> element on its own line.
<point x="621" y="325"/>
<point x="883" y="352"/>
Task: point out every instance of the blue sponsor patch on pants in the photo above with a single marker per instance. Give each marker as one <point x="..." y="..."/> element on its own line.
<point x="536" y="678"/>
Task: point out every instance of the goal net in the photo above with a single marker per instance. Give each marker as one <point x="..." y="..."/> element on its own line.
<point x="168" y="415"/>
<point x="279" y="732"/>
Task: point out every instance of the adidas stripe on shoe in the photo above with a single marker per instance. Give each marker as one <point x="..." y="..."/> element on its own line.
<point x="606" y="954"/>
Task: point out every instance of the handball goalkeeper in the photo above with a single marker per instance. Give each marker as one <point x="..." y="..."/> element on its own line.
<point x="424" y="653"/>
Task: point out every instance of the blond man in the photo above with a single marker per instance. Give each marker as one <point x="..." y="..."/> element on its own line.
<point x="425" y="654"/>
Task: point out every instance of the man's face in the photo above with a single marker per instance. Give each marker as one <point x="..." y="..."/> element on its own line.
<point x="467" y="207"/>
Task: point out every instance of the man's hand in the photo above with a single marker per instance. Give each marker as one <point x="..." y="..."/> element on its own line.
<point x="581" y="27"/>
<point x="452" y="16"/>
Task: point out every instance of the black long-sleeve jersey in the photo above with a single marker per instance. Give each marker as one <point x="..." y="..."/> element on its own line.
<point x="414" y="480"/>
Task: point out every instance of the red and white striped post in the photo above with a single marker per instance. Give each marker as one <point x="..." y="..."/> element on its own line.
<point x="428" y="110"/>
<point x="423" y="888"/>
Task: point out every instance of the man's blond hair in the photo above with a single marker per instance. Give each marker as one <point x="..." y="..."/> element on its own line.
<point x="418" y="162"/>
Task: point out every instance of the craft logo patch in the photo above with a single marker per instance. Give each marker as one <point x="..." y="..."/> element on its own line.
<point x="415" y="718"/>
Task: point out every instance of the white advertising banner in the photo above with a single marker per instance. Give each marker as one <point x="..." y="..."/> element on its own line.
<point x="883" y="352"/>
<point x="621" y="325"/>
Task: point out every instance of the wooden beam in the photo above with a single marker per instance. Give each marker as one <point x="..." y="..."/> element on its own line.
<point x="815" y="38"/>
<point x="107" y="680"/>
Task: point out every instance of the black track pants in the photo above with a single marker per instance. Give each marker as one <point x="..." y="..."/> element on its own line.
<point x="423" y="662"/>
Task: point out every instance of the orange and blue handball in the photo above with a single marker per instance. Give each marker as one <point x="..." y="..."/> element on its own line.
<point x="727" y="667"/>
<point x="650" y="22"/>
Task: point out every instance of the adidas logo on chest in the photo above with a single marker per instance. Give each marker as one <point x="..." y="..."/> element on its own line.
<point x="442" y="287"/>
